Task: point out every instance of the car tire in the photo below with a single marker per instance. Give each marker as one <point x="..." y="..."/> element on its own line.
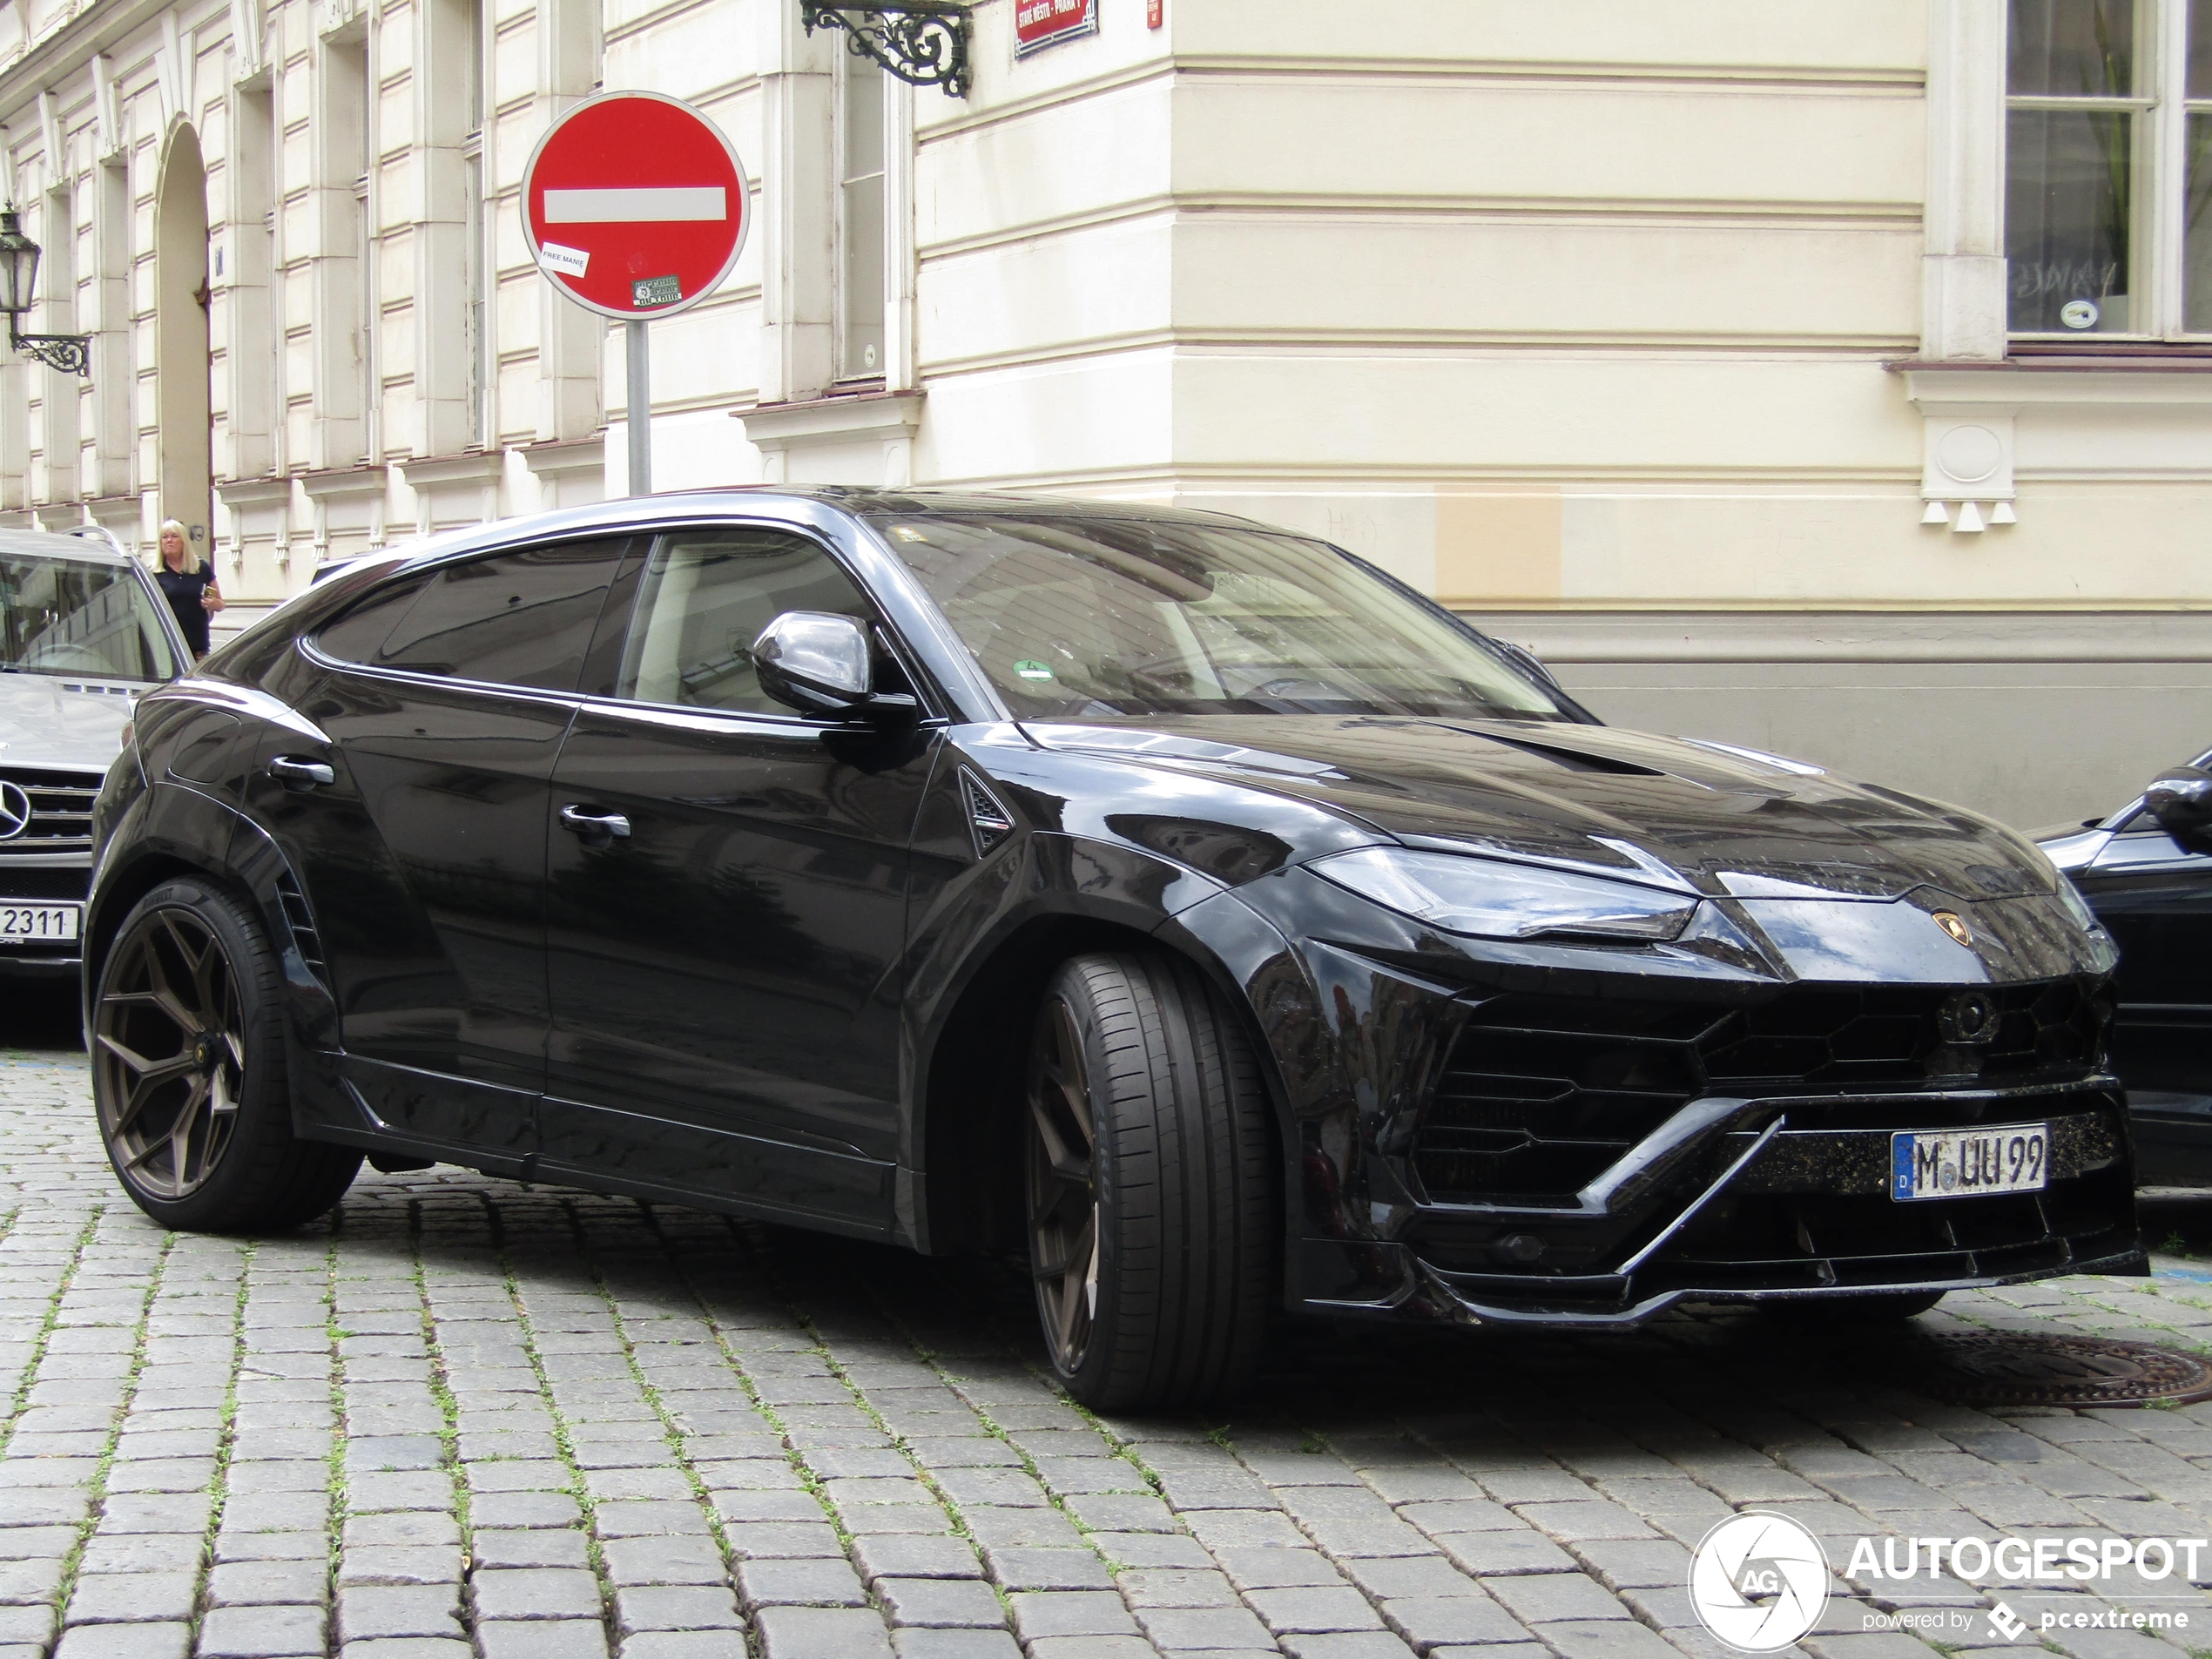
<point x="188" y="1071"/>
<point x="1150" y="1185"/>
<point x="1864" y="1309"/>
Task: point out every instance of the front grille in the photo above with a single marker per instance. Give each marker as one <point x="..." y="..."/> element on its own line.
<point x="43" y="884"/>
<point x="1541" y="1095"/>
<point x="61" y="811"/>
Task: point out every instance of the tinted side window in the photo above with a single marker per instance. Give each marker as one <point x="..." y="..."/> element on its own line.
<point x="356" y="634"/>
<point x="518" y="619"/>
<point x="705" y="596"/>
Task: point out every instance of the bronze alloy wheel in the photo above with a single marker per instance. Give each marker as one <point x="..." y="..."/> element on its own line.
<point x="169" y="1050"/>
<point x="1063" y="1188"/>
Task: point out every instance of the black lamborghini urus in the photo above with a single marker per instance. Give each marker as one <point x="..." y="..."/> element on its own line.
<point x="1184" y="902"/>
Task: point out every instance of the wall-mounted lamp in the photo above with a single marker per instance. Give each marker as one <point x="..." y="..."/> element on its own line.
<point x="924" y="43"/>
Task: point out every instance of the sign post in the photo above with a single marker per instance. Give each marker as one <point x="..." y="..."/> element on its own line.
<point x="635" y="206"/>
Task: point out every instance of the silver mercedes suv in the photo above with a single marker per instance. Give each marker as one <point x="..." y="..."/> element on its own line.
<point x="83" y="631"/>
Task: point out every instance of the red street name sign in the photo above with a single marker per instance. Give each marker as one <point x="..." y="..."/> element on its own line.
<point x="1047" y="23"/>
<point x="634" y="205"/>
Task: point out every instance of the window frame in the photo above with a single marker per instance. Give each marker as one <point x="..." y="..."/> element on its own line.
<point x="842" y="182"/>
<point x="422" y="578"/>
<point x="611" y="639"/>
<point x="2158" y="208"/>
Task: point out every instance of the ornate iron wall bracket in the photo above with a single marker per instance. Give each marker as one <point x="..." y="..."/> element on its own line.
<point x="67" y="354"/>
<point x="924" y="43"/>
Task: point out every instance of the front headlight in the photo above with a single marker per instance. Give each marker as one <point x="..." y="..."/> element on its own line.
<point x="1491" y="899"/>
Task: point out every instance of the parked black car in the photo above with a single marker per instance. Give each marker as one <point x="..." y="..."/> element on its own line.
<point x="2147" y="872"/>
<point x="1186" y="901"/>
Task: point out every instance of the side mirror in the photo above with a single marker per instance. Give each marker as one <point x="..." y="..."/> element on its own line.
<point x="819" y="664"/>
<point x="2181" y="802"/>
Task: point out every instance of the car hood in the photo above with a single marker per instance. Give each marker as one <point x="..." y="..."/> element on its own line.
<point x="1730" y="823"/>
<point x="45" y="721"/>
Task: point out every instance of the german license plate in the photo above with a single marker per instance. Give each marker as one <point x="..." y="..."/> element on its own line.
<point x="1970" y="1163"/>
<point x="38" y="924"/>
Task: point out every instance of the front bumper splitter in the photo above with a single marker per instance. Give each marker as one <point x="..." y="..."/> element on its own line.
<point x="1638" y="1213"/>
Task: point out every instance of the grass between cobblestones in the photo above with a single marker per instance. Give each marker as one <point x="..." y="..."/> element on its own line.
<point x="226" y="1443"/>
<point x="563" y="1437"/>
<point x="448" y="1431"/>
<point x="96" y="1492"/>
<point x="336" y="1336"/>
<point x="43" y="1337"/>
<point x="672" y="1432"/>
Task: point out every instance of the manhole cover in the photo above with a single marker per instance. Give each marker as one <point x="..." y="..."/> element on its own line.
<point x="2020" y="1369"/>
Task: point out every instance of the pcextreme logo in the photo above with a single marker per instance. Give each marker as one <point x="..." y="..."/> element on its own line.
<point x="1759" y="1581"/>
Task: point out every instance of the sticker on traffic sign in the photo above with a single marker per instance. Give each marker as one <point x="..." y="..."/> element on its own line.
<point x="635" y="204"/>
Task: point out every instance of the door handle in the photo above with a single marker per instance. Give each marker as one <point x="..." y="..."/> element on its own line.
<point x="300" y="775"/>
<point x="607" y="826"/>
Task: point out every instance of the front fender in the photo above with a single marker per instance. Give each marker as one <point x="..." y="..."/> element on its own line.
<point x="172" y="830"/>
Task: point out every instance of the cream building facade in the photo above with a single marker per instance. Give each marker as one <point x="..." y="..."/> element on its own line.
<point x="1718" y="350"/>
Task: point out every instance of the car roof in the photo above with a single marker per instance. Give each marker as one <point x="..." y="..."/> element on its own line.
<point x="51" y="544"/>
<point x="987" y="504"/>
<point x="799" y="503"/>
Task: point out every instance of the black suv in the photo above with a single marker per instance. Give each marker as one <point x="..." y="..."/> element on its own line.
<point x="1186" y="902"/>
<point x="2147" y="872"/>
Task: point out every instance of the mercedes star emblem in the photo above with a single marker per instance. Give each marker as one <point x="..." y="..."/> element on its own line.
<point x="14" y="811"/>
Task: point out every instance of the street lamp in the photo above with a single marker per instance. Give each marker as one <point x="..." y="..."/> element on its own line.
<point x="70" y="353"/>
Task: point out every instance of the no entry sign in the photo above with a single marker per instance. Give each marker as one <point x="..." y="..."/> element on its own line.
<point x="635" y="204"/>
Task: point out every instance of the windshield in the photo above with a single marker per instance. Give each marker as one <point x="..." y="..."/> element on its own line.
<point x="75" y="616"/>
<point x="1093" y="617"/>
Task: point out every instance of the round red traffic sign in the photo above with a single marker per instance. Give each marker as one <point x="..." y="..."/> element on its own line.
<point x="635" y="204"/>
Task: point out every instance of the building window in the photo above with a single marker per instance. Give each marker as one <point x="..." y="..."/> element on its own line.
<point x="477" y="230"/>
<point x="861" y="261"/>
<point x="2108" y="164"/>
<point x="59" y="397"/>
<point x="371" y="389"/>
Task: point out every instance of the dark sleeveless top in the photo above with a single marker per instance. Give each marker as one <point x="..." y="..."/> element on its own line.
<point x="182" y="589"/>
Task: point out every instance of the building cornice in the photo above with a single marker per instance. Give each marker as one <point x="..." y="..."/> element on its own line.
<point x="254" y="492"/>
<point x="857" y="415"/>
<point x="546" y="460"/>
<point x="343" y="484"/>
<point x="67" y="48"/>
<point x="482" y="468"/>
<point x="2028" y="383"/>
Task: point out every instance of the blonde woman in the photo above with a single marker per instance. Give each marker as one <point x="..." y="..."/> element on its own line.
<point x="188" y="584"/>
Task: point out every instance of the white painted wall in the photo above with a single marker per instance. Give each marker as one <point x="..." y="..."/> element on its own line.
<point x="1571" y="310"/>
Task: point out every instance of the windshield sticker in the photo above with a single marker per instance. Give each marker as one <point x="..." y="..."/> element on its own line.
<point x="1029" y="669"/>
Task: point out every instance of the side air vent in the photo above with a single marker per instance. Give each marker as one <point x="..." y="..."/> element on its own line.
<point x="988" y="817"/>
<point x="302" y="924"/>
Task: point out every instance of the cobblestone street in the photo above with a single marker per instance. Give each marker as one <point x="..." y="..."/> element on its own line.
<point x="468" y="1417"/>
